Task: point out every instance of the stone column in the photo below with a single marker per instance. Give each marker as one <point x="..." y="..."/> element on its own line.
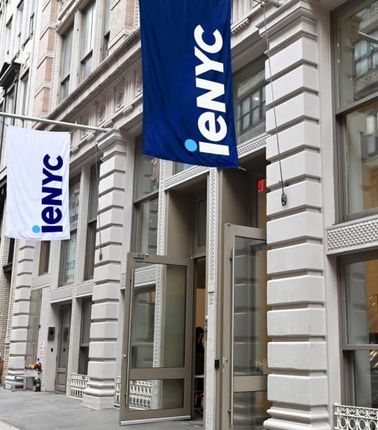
<point x="19" y="303"/>
<point x="297" y="354"/>
<point x="107" y="274"/>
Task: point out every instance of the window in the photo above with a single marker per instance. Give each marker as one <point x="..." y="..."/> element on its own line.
<point x="358" y="52"/>
<point x="146" y="201"/>
<point x="65" y="65"/>
<point x="7" y="268"/>
<point x="357" y="57"/>
<point x="87" y="40"/>
<point x="180" y="167"/>
<point x="25" y="96"/>
<point x="31" y="16"/>
<point x="33" y="326"/>
<point x="8" y="41"/>
<point x="86" y="311"/>
<point x="44" y="257"/>
<point x="10" y="103"/>
<point x="2" y="125"/>
<point x="202" y="223"/>
<point x="92" y="223"/>
<point x="249" y="95"/>
<point x="68" y="248"/>
<point x="251" y="110"/>
<point x="20" y="13"/>
<point x="105" y="48"/>
<point x="147" y="226"/>
<point x="9" y="79"/>
<point x="361" y="337"/>
<point x="362" y="159"/>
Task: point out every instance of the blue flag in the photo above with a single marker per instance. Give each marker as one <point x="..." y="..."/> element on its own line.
<point x="188" y="113"/>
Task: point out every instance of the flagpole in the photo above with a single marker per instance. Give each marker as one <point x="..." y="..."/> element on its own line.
<point x="50" y="121"/>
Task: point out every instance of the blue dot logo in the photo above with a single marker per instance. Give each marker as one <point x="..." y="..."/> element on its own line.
<point x="36" y="228"/>
<point x="191" y="145"/>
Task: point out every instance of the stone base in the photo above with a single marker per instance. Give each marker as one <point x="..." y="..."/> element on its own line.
<point x="274" y="424"/>
<point x="100" y="401"/>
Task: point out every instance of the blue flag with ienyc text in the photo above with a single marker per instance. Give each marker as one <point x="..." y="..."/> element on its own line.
<point x="188" y="113"/>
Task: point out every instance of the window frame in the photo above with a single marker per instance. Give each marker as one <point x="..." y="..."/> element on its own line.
<point x="65" y="244"/>
<point x="84" y="340"/>
<point x="44" y="257"/>
<point x="342" y="110"/>
<point x="91" y="233"/>
<point x="9" y="51"/>
<point x="32" y="8"/>
<point x="25" y="84"/>
<point x="66" y="58"/>
<point x="19" y="32"/>
<point x="249" y="72"/>
<point x="88" y="17"/>
<point x="142" y="197"/>
<point x="106" y="29"/>
<point x="348" y="349"/>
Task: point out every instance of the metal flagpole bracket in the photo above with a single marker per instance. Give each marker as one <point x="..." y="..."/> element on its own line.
<point x="275" y="3"/>
<point x="61" y="123"/>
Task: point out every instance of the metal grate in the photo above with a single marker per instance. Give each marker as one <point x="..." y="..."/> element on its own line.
<point x="78" y="383"/>
<point x="355" y="418"/>
<point x="140" y="394"/>
<point x="117" y="392"/>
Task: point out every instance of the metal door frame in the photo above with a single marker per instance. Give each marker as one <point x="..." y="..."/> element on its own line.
<point x="229" y="383"/>
<point x="185" y="373"/>
<point x="62" y="308"/>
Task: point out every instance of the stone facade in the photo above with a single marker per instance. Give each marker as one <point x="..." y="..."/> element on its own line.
<point x="295" y="153"/>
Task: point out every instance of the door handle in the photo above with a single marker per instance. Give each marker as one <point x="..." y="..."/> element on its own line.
<point x="224" y="362"/>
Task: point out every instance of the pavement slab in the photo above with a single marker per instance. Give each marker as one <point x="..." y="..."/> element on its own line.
<point x="30" y="410"/>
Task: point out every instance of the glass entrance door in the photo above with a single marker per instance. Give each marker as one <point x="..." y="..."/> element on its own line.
<point x="157" y="365"/>
<point x="244" y="392"/>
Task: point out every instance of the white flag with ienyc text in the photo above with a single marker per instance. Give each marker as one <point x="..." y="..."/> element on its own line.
<point x="37" y="206"/>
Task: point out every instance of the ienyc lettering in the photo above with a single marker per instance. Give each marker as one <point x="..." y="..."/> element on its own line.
<point x="211" y="123"/>
<point x="52" y="189"/>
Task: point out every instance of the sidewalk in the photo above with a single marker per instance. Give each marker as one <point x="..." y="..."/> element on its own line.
<point x="29" y="410"/>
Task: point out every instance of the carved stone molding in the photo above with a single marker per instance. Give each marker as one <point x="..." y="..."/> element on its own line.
<point x="41" y="281"/>
<point x="161" y="211"/>
<point x="145" y="276"/>
<point x="253" y="145"/>
<point x="85" y="288"/>
<point x="61" y="294"/>
<point x="360" y="234"/>
<point x="213" y="231"/>
<point x="183" y="176"/>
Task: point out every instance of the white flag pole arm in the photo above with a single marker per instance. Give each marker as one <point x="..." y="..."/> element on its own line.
<point x="50" y="121"/>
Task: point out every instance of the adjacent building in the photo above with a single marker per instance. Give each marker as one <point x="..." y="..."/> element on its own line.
<point x="277" y="261"/>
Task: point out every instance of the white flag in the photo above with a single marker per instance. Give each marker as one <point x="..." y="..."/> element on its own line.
<point x="37" y="184"/>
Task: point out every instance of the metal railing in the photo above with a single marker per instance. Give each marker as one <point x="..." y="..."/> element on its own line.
<point x="355" y="418"/>
<point x="117" y="392"/>
<point x="140" y="394"/>
<point x="78" y="383"/>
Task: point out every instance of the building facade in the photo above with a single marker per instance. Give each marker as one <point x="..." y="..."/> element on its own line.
<point x="276" y="260"/>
